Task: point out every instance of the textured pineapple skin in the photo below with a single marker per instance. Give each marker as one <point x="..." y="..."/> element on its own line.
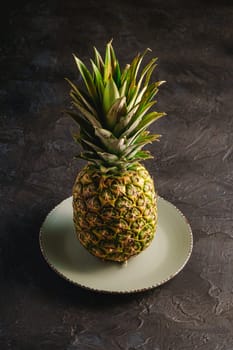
<point x="115" y="215"/>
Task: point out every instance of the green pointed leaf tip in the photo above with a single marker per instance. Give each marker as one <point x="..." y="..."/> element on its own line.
<point x="113" y="109"/>
<point x="110" y="95"/>
<point x="108" y="63"/>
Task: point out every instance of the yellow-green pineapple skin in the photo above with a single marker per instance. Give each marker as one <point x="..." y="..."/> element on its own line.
<point x="115" y="215"/>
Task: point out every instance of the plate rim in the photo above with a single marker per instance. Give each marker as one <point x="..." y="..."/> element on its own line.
<point x="125" y="291"/>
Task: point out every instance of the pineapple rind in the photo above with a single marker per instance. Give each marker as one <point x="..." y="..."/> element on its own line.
<point x="115" y="215"/>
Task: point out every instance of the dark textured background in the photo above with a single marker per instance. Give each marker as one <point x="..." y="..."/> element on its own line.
<point x="192" y="168"/>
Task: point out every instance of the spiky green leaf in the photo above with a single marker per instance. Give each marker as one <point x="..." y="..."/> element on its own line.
<point x="113" y="144"/>
<point x="137" y="117"/>
<point x="98" y="60"/>
<point x="116" y="111"/>
<point x="150" y="118"/>
<point x="87" y="115"/>
<point x="108" y="67"/>
<point x="82" y="122"/>
<point x="110" y="94"/>
<point x="98" y="80"/>
<point x="86" y="75"/>
<point x="116" y="72"/>
<point x="76" y="94"/>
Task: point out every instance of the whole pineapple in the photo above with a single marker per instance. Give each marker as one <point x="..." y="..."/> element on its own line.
<point x="114" y="200"/>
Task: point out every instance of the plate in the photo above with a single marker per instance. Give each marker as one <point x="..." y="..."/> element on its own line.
<point x="161" y="261"/>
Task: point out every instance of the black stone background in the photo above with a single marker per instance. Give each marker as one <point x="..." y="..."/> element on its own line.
<point x="192" y="168"/>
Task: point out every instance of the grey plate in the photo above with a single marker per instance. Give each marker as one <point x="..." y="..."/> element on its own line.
<point x="161" y="261"/>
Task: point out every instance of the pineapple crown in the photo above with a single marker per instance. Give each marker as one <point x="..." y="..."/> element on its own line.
<point x="113" y="110"/>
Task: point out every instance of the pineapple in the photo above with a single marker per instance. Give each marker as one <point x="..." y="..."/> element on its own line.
<point x="114" y="199"/>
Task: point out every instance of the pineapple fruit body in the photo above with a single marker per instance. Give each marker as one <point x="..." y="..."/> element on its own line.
<point x="115" y="214"/>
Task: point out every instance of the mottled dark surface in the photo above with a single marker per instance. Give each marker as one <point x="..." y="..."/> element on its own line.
<point x="193" y="169"/>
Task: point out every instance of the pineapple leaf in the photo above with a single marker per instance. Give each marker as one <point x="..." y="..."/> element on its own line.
<point x="108" y="63"/>
<point x="116" y="111"/>
<point x="77" y="94"/>
<point x="110" y="94"/>
<point x="146" y="137"/>
<point x="147" y="94"/>
<point x="82" y="122"/>
<point x="142" y="140"/>
<point x="125" y="74"/>
<point x="130" y="74"/>
<point x="113" y="144"/>
<point x="151" y="91"/>
<point x="137" y="96"/>
<point x="86" y="75"/>
<point x="140" y="155"/>
<point x="136" y="119"/>
<point x="124" y="121"/>
<point x="135" y="65"/>
<point x="81" y="101"/>
<point x="87" y="115"/>
<point x="148" y="70"/>
<point x="98" y="60"/>
<point x="90" y="156"/>
<point x="146" y="73"/>
<point x="122" y="89"/>
<point x="150" y="118"/>
<point x="93" y="146"/>
<point x="98" y="80"/>
<point x="116" y="67"/>
<point x="112" y="158"/>
<point x="147" y="120"/>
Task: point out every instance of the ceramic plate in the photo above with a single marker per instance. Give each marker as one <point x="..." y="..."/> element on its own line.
<point x="162" y="260"/>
